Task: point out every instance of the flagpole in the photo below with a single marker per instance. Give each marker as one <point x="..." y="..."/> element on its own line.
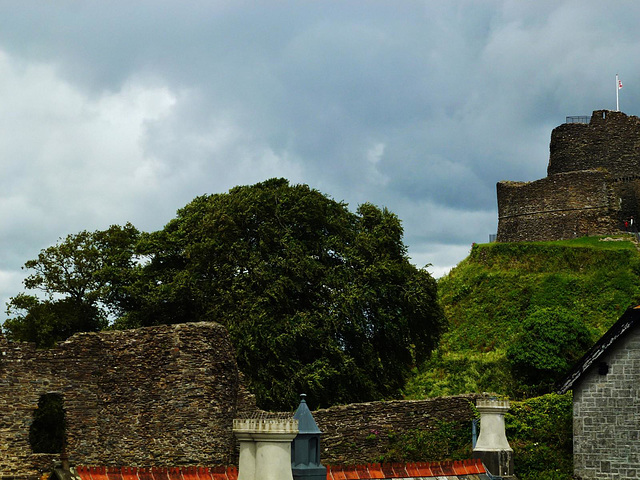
<point x="617" y="95"/>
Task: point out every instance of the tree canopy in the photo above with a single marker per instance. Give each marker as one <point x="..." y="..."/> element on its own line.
<point x="316" y="299"/>
<point x="552" y="340"/>
<point x="83" y="277"/>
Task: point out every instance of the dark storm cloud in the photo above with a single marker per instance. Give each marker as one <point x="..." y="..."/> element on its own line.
<point x="124" y="111"/>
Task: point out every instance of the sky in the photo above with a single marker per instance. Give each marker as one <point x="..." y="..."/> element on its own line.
<point x="119" y="111"/>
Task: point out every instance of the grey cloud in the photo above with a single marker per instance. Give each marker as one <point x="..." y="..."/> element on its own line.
<point x="418" y="106"/>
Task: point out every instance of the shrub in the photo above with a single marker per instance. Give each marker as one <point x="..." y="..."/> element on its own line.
<point x="446" y="441"/>
<point x="551" y="341"/>
<point x="540" y="431"/>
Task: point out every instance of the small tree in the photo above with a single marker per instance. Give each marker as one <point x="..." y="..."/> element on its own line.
<point x="85" y="278"/>
<point x="552" y="340"/>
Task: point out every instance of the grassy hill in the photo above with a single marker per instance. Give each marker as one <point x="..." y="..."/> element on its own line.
<point x="490" y="299"/>
<point x="489" y="295"/>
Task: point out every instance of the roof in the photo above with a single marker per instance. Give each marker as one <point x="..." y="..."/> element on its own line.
<point x="462" y="470"/>
<point x="155" y="473"/>
<point x="629" y="319"/>
<point x="306" y="422"/>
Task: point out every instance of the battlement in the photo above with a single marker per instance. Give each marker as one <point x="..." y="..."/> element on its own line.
<point x="610" y="141"/>
<point x="592" y="185"/>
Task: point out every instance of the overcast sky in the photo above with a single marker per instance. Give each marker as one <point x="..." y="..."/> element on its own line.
<point x="116" y="111"/>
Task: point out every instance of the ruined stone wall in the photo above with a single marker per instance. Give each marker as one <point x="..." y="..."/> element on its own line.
<point x="605" y="415"/>
<point x="359" y="433"/>
<point x="166" y="396"/>
<point x="610" y="141"/>
<point x="557" y="207"/>
<point x="158" y="396"/>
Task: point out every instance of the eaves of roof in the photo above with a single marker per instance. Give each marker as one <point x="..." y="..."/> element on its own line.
<point x="462" y="470"/>
<point x="629" y="319"/>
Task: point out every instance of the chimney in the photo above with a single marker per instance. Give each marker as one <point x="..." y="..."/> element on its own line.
<point x="265" y="446"/>
<point x="492" y="446"/>
<point x="305" y="450"/>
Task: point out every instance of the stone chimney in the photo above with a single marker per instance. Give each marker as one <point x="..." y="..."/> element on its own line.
<point x="305" y="451"/>
<point x="265" y="446"/>
<point x="492" y="446"/>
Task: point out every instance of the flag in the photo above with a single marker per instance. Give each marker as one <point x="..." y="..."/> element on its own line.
<point x="619" y="84"/>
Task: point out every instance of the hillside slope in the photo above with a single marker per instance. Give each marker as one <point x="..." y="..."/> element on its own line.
<point x="489" y="295"/>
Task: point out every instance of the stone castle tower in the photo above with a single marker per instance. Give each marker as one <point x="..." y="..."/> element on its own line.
<point x="592" y="185"/>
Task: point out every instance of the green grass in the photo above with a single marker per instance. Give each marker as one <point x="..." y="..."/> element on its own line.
<point x="489" y="294"/>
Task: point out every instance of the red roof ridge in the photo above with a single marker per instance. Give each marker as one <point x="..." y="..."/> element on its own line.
<point x="370" y="471"/>
<point x="405" y="470"/>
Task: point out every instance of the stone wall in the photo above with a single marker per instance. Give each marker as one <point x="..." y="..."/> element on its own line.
<point x="159" y="396"/>
<point x="358" y="433"/>
<point x="561" y="206"/>
<point x="166" y="396"/>
<point x="610" y="141"/>
<point x="605" y="415"/>
<point x="592" y="187"/>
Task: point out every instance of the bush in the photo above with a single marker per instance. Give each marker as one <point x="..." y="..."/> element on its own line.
<point x="551" y="341"/>
<point x="540" y="431"/>
<point x="446" y="441"/>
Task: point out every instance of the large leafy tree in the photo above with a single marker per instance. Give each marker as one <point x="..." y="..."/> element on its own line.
<point x="317" y="299"/>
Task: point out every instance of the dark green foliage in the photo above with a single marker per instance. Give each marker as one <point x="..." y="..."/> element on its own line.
<point x="316" y="299"/>
<point x="551" y="340"/>
<point x="445" y="441"/>
<point x="540" y="432"/>
<point x="47" y="432"/>
<point x="46" y="322"/>
<point x="85" y="278"/>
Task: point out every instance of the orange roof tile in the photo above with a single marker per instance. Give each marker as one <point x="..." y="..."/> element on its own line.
<point x="113" y="473"/>
<point x="375" y="470"/>
<point x="363" y="472"/>
<point x="129" y="473"/>
<point x="406" y="471"/>
<point x="144" y="473"/>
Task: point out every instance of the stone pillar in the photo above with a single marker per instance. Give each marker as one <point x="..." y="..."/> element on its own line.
<point x="492" y="446"/>
<point x="265" y="447"/>
<point x="247" y="460"/>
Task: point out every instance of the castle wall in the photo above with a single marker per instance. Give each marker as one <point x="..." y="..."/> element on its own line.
<point x="627" y="190"/>
<point x="592" y="187"/>
<point x="359" y="433"/>
<point x="159" y="396"/>
<point x="557" y="207"/>
<point x="166" y="396"/>
<point x="610" y="141"/>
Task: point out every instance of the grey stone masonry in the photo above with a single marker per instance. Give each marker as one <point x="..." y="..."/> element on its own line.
<point x="158" y="396"/>
<point x="592" y="185"/>
<point x="606" y="414"/>
<point x="166" y="396"/>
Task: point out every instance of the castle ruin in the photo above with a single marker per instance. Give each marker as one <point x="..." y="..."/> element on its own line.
<point x="592" y="185"/>
<point x="166" y="397"/>
<point x="160" y="396"/>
